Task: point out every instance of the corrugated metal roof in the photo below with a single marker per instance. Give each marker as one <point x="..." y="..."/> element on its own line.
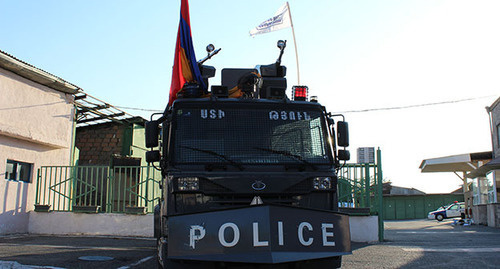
<point x="93" y="111"/>
<point x="35" y="74"/>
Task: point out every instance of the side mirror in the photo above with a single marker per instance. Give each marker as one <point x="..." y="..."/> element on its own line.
<point x="152" y="132"/>
<point x="153" y="156"/>
<point x="343" y="155"/>
<point x="342" y="134"/>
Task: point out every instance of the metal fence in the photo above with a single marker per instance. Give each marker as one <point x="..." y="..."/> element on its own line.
<point x="119" y="189"/>
<point x="360" y="187"/>
<point x="135" y="189"/>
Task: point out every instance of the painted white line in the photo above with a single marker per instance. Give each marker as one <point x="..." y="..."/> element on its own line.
<point x="83" y="247"/>
<point x="137" y="263"/>
<point x="77" y="236"/>
<point x="444" y="232"/>
<point x="16" y="265"/>
<point x="452" y="249"/>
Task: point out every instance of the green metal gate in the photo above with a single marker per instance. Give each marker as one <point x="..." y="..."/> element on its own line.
<point x="360" y="187"/>
<point x="119" y="189"/>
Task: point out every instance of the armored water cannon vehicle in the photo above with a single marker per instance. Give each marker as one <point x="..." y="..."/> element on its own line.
<point x="249" y="175"/>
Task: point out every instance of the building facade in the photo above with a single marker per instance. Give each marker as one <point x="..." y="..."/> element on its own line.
<point x="36" y="129"/>
<point x="486" y="178"/>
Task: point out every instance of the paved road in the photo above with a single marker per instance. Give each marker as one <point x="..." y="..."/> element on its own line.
<point x="429" y="244"/>
<point x="409" y="244"/>
<point x="17" y="252"/>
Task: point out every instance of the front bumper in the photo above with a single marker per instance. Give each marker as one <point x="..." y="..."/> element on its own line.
<point x="259" y="234"/>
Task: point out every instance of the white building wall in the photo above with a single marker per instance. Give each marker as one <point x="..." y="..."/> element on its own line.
<point x="362" y="228"/>
<point x="35" y="127"/>
<point x="91" y="224"/>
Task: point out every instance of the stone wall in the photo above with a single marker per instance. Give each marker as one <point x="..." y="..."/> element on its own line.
<point x="493" y="211"/>
<point x="479" y="214"/>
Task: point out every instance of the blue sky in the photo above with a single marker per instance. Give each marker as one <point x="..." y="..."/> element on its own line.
<point x="353" y="55"/>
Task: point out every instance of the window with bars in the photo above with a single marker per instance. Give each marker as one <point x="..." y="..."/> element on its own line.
<point x="18" y="171"/>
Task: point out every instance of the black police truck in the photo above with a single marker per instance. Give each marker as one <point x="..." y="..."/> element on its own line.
<point x="249" y="175"/>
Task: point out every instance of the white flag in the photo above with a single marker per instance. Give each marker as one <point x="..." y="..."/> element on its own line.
<point x="280" y="20"/>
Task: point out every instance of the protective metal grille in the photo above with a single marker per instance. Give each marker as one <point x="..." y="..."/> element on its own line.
<point x="237" y="136"/>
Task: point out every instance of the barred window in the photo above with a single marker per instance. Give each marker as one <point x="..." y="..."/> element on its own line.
<point x="18" y="171"/>
<point x="262" y="135"/>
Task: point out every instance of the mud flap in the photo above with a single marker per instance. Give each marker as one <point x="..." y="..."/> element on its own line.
<point x="259" y="234"/>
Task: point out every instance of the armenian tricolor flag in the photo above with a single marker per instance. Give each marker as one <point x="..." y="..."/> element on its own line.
<point x="185" y="66"/>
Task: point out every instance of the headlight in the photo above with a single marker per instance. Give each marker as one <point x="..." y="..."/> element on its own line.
<point x="188" y="184"/>
<point x="322" y="183"/>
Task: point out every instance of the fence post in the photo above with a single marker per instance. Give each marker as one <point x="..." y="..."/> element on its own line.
<point x="109" y="186"/>
<point x="380" y="198"/>
<point x="147" y="184"/>
<point x="74" y="174"/>
<point x="367" y="185"/>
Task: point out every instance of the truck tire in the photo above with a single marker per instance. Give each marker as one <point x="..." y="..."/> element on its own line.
<point x="161" y="253"/>
<point x="156" y="221"/>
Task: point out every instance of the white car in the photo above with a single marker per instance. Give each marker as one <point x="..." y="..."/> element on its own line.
<point x="450" y="211"/>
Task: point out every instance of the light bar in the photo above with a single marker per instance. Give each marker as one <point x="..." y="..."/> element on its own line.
<point x="300" y="93"/>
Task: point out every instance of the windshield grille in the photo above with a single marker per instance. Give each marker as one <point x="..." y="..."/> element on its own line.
<point x="249" y="136"/>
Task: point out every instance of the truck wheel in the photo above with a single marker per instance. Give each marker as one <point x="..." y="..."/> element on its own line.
<point x="156" y="221"/>
<point x="439" y="217"/>
<point x="161" y="252"/>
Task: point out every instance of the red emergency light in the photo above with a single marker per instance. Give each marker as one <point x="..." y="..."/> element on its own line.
<point x="300" y="93"/>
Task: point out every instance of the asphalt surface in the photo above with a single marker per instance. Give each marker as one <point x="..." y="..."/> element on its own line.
<point x="30" y="251"/>
<point x="408" y="244"/>
<point x="429" y="244"/>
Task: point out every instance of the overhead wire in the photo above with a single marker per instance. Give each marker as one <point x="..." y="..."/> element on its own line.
<point x="140" y="109"/>
<point x="360" y="110"/>
<point x="415" y="105"/>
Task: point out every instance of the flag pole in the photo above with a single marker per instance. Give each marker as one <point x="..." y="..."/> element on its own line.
<point x="295" y="43"/>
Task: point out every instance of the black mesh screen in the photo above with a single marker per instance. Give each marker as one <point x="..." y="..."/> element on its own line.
<point x="249" y="136"/>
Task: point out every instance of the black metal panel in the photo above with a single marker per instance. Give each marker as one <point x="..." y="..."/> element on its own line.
<point x="259" y="234"/>
<point x="230" y="76"/>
